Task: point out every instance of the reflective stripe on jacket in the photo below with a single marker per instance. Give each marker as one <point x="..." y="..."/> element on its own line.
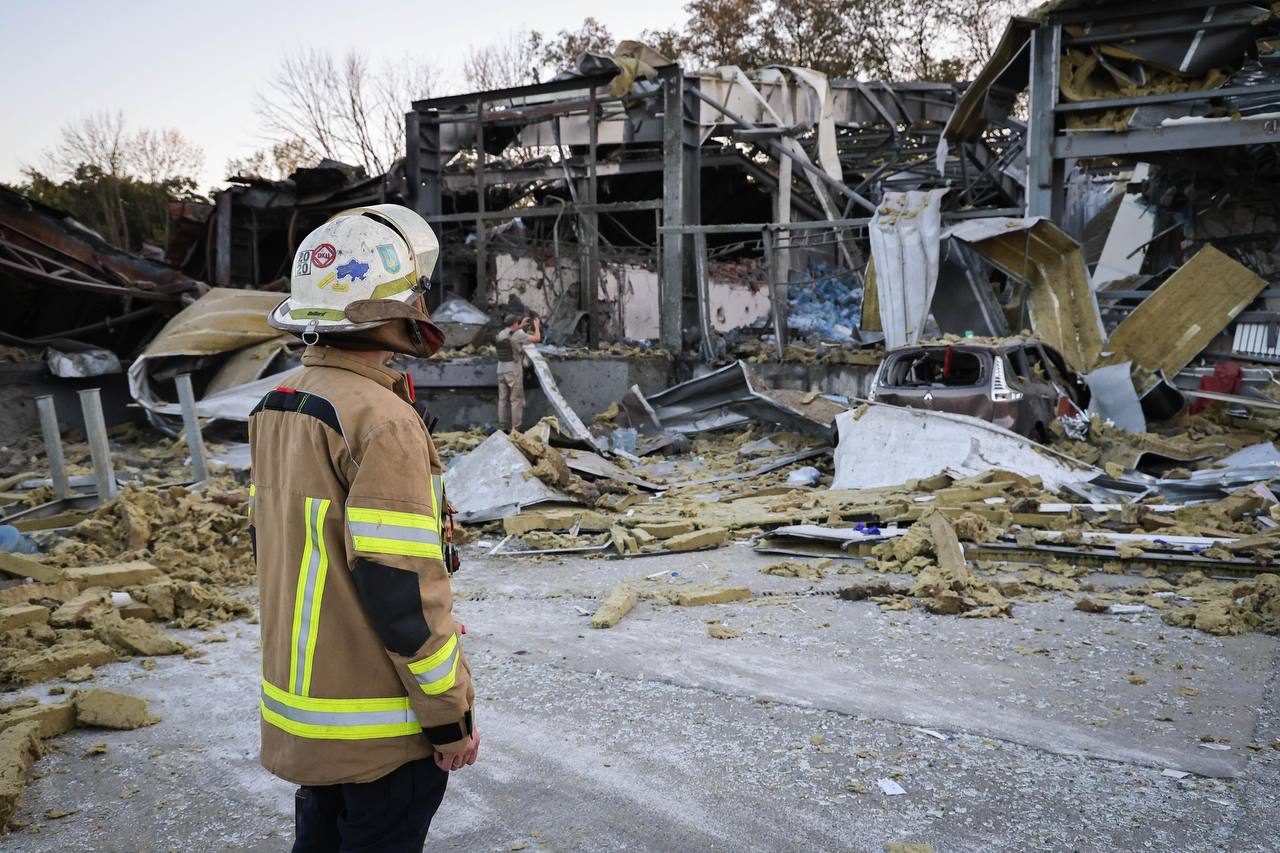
<point x="362" y="668"/>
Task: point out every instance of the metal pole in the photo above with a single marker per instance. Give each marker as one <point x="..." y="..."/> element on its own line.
<point x="591" y="292"/>
<point x="96" y="430"/>
<point x="704" y="295"/>
<point x="482" y="253"/>
<point x="781" y="151"/>
<point x="777" y="294"/>
<point x="53" y="446"/>
<point x="671" y="281"/>
<point x="191" y="423"/>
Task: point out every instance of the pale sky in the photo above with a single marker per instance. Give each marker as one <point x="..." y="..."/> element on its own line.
<point x="195" y="66"/>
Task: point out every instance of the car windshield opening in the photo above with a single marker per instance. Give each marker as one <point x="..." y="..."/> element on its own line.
<point x="936" y="367"/>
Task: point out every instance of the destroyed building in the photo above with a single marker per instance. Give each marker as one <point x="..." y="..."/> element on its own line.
<point x="724" y="260"/>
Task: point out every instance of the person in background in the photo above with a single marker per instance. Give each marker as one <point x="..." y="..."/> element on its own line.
<point x="511" y="341"/>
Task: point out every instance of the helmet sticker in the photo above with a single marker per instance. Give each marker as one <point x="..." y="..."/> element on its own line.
<point x="304" y="263"/>
<point x="323" y="255"/>
<point x="354" y="268"/>
<point x="390" y="260"/>
<point x="332" y="279"/>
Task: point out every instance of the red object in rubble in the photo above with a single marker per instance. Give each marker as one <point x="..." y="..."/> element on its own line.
<point x="1226" y="379"/>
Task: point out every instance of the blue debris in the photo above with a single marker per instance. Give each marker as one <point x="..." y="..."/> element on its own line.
<point x="826" y="304"/>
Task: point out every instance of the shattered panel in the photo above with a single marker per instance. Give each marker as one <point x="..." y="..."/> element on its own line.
<point x="1175" y="323"/>
<point x="1064" y="312"/>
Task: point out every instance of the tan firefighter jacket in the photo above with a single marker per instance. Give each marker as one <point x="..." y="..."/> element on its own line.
<point x="362" y="668"/>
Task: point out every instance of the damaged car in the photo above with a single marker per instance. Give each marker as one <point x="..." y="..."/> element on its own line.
<point x="1019" y="384"/>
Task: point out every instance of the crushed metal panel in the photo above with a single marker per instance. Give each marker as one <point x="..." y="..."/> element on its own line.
<point x="1064" y="312"/>
<point x="223" y="321"/>
<point x="1132" y="229"/>
<point x="490" y="483"/>
<point x="248" y="364"/>
<point x="1113" y="397"/>
<point x="883" y="445"/>
<point x="964" y="300"/>
<point x="231" y="404"/>
<point x="905" y="233"/>
<point x="732" y="396"/>
<point x="570" y="424"/>
<point x="1009" y="60"/>
<point x="1184" y="314"/>
<point x="595" y="465"/>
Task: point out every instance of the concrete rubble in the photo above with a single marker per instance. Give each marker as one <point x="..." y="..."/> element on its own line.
<point x="26" y="723"/>
<point x="706" y="441"/>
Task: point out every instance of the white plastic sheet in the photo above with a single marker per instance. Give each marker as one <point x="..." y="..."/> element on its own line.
<point x="883" y="445"/>
<point x="905" y="234"/>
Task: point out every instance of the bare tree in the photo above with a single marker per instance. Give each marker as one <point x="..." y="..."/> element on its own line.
<point x="344" y="109"/>
<point x="276" y="162"/>
<point x="511" y="60"/>
<point x="98" y="140"/>
<point x="157" y="156"/>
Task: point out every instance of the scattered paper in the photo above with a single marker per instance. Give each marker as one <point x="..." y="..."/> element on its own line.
<point x="1220" y="747"/>
<point x="1174" y="774"/>
<point x="932" y="733"/>
<point x="890" y="787"/>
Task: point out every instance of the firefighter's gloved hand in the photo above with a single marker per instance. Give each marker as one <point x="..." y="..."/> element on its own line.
<point x="449" y="761"/>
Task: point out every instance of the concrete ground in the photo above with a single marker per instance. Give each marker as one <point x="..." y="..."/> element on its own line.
<point x="1018" y="734"/>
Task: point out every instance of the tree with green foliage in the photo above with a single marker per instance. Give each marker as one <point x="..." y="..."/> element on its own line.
<point x="117" y="182"/>
<point x="866" y="39"/>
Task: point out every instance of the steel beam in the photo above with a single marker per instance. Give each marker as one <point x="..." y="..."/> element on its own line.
<point x="479" y="296"/>
<point x="675" y="202"/>
<point x="424" y="172"/>
<point x="1180" y="137"/>
<point x="1044" y="189"/>
<point x="591" y="224"/>
<point x="222" y="240"/>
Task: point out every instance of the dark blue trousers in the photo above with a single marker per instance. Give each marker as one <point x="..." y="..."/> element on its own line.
<point x="390" y="814"/>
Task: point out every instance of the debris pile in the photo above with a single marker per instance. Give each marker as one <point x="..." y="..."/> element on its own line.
<point x="151" y="555"/>
<point x="925" y="495"/>
<point x="26" y="723"/>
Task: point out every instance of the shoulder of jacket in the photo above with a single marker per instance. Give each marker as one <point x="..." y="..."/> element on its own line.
<point x="411" y="427"/>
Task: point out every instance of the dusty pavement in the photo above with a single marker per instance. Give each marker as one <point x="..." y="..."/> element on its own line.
<point x="653" y="735"/>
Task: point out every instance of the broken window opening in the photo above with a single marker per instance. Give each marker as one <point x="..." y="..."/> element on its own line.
<point x="940" y="367"/>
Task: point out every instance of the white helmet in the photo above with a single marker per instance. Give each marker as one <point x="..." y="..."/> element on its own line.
<point x="362" y="268"/>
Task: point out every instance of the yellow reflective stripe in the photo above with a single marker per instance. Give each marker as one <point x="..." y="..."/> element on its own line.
<point x="317" y="598"/>
<point x="388" y="516"/>
<point x="437" y="497"/>
<point x="298" y="596"/>
<point x="437" y="672"/>
<point x="397" y="547"/>
<point x="391" y="288"/>
<point x="308" y="595"/>
<point x="314" y="703"/>
<point x="251" y="492"/>
<point x="337" y="719"/>
<point x="340" y="732"/>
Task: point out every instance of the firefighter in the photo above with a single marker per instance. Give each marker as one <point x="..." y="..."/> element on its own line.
<point x="366" y="699"/>
<point x="510" y="347"/>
